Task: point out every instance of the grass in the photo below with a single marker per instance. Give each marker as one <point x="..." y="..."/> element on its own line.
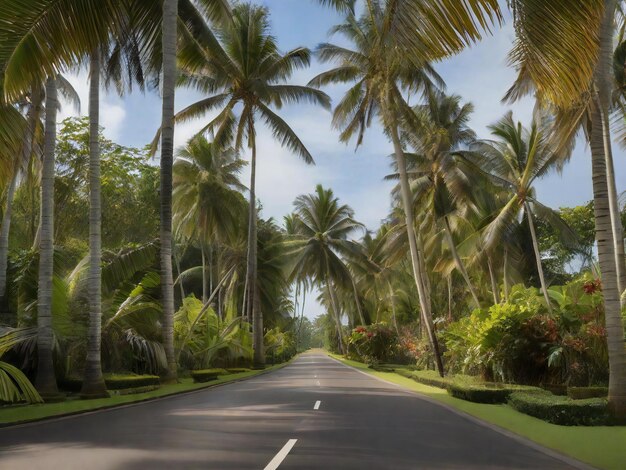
<point x="600" y="446"/>
<point x="25" y="413"/>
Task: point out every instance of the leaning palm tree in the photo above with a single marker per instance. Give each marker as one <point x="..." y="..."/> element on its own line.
<point x="441" y="181"/>
<point x="320" y="245"/>
<point x="383" y="76"/>
<point x="514" y="161"/>
<point x="245" y="68"/>
<point x="563" y="50"/>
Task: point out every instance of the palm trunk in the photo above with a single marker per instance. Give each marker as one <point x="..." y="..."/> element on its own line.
<point x="180" y="281"/>
<point x="505" y="280"/>
<point x="169" y="35"/>
<point x="205" y="288"/>
<point x="417" y="271"/>
<point x="45" y="380"/>
<point x="335" y="312"/>
<point x="4" y="235"/>
<point x="254" y="311"/>
<point x="494" y="284"/>
<point x="93" y="382"/>
<point x="533" y="235"/>
<point x="600" y="135"/>
<point x="357" y="301"/>
<point x="393" y="309"/>
<point x="449" y="283"/>
<point x="459" y="263"/>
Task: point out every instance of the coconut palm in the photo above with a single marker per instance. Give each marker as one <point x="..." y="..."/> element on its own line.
<point x="245" y="67"/>
<point x="320" y="243"/>
<point x="564" y="50"/>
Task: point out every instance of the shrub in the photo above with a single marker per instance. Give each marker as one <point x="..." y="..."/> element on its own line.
<point x="113" y="382"/>
<point x="206" y="375"/>
<point x="581" y="393"/>
<point x="487" y="393"/>
<point x="562" y="410"/>
<point x="237" y="370"/>
<point x="374" y="343"/>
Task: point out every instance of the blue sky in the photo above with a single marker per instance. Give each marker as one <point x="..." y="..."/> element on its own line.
<point x="479" y="74"/>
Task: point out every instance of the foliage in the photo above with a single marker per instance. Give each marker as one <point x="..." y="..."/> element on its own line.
<point x="562" y="410"/>
<point x="520" y="341"/>
<point x="205" y="375"/>
<point x="581" y="393"/>
<point x="486" y="393"/>
<point x="15" y="386"/>
<point x="374" y="343"/>
<point x="279" y="346"/>
<point x="113" y="382"/>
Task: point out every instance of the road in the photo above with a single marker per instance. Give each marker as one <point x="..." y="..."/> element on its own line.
<point x="313" y="414"/>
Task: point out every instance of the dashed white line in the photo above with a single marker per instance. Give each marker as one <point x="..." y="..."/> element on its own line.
<point x="317" y="405"/>
<point x="318" y="383"/>
<point x="278" y="458"/>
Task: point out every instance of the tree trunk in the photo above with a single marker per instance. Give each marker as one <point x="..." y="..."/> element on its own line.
<point x="533" y="235"/>
<point x="205" y="287"/>
<point x="254" y="312"/>
<point x="393" y="309"/>
<point x="449" y="283"/>
<point x="417" y="271"/>
<point x="504" y="274"/>
<point x="169" y="36"/>
<point x="600" y="135"/>
<point x="180" y="281"/>
<point x="357" y="301"/>
<point x="494" y="285"/>
<point x="93" y="382"/>
<point x="4" y="235"/>
<point x="45" y="380"/>
<point x="459" y="263"/>
<point x="335" y="312"/>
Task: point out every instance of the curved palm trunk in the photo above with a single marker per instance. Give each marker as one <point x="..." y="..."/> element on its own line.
<point x="459" y="263"/>
<point x="600" y="135"/>
<point x="357" y="301"/>
<point x="417" y="271"/>
<point x="4" y="236"/>
<point x="393" y="309"/>
<point x="505" y="280"/>
<point x="170" y="17"/>
<point x="93" y="382"/>
<point x="494" y="283"/>
<point x="533" y="235"/>
<point x="45" y="380"/>
<point x="254" y="310"/>
<point x="335" y="308"/>
<point x="205" y="286"/>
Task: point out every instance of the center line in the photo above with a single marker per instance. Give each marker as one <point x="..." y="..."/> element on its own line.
<point x="317" y="405"/>
<point x="278" y="458"/>
<point x="318" y="383"/>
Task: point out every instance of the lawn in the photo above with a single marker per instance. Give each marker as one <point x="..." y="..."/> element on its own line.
<point x="600" y="446"/>
<point x="19" y="414"/>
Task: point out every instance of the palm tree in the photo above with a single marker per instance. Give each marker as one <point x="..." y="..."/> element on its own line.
<point x="246" y="68"/>
<point x="382" y="77"/>
<point x="563" y="50"/>
<point x="207" y="202"/>
<point x="514" y="162"/>
<point x="320" y="242"/>
<point x="440" y="181"/>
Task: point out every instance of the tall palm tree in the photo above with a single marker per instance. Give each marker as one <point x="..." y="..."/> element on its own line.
<point x="514" y="161"/>
<point x="383" y="76"/>
<point x="320" y="244"/>
<point x="440" y="181"/>
<point x="245" y="68"/>
<point x="563" y="50"/>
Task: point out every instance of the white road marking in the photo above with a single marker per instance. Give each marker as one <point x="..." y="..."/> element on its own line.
<point x="318" y="383"/>
<point x="278" y="458"/>
<point x="317" y="405"/>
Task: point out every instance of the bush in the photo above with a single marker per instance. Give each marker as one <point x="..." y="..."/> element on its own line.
<point x="237" y="370"/>
<point x="374" y="343"/>
<point x="582" y="393"/>
<point x="206" y="375"/>
<point x="562" y="410"/>
<point x="113" y="382"/>
<point x="487" y="393"/>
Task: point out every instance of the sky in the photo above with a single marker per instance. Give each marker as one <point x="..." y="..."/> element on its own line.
<point x="479" y="74"/>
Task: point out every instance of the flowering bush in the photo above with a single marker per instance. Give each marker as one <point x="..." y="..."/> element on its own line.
<point x="373" y="343"/>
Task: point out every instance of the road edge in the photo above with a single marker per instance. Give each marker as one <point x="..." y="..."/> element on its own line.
<point x="75" y="414"/>
<point x="569" y="460"/>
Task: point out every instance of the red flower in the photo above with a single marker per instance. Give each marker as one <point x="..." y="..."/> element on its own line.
<point x="592" y="286"/>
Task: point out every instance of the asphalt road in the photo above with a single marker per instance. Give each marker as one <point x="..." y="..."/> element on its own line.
<point x="360" y="423"/>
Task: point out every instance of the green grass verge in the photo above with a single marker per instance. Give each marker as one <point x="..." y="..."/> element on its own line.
<point x="25" y="413"/>
<point x="600" y="446"/>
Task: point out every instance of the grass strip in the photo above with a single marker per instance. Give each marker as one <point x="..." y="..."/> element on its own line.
<point x="599" y="446"/>
<point x="19" y="414"/>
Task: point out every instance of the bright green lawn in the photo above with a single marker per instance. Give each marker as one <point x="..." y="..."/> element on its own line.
<point x="600" y="446"/>
<point x="15" y="414"/>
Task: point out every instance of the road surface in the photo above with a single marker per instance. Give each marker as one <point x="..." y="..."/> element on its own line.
<point x="313" y="414"/>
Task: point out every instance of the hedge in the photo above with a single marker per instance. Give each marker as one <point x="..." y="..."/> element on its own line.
<point x="581" y="393"/>
<point x="113" y="382"/>
<point x="562" y="410"/>
<point x="206" y="375"/>
<point x="237" y="370"/>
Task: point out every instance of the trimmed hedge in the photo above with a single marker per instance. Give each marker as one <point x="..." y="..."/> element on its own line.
<point x="237" y="370"/>
<point x="113" y="382"/>
<point x="206" y="375"/>
<point x="582" y="393"/>
<point x="562" y="410"/>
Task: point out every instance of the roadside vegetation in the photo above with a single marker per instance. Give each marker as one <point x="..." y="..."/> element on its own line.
<point x="117" y="275"/>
